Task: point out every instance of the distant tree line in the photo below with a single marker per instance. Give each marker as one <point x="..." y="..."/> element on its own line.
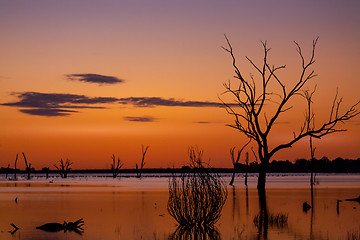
<point x="323" y="165"/>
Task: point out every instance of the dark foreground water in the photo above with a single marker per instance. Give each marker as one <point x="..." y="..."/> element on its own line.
<point x="136" y="209"/>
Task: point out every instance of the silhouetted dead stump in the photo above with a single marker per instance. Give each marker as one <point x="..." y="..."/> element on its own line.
<point x="306" y="206"/>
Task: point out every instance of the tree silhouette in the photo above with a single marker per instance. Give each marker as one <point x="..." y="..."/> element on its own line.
<point x="28" y="166"/>
<point x="140" y="167"/>
<point x="254" y="99"/>
<point x="116" y="166"/>
<point x="235" y="161"/>
<point x="64" y="167"/>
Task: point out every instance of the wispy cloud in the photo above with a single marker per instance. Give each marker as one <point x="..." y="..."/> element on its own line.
<point x="140" y="119"/>
<point x="47" y="112"/>
<point x="171" y="102"/>
<point x="62" y="104"/>
<point x="94" y="78"/>
<point x="55" y="104"/>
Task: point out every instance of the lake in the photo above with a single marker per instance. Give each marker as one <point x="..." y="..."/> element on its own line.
<point x="131" y="208"/>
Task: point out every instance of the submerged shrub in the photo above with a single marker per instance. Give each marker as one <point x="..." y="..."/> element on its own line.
<point x="278" y="220"/>
<point x="196" y="199"/>
<point x="353" y="235"/>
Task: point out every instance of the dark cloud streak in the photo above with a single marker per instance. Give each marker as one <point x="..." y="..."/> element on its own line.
<point x="171" y="102"/>
<point x="59" y="104"/>
<point x="56" y="104"/>
<point x="47" y="112"/>
<point x="139" y="119"/>
<point x="94" y="78"/>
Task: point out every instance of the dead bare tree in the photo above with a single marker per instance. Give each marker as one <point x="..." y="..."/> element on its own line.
<point x="17" y="155"/>
<point x="256" y="123"/>
<point x="310" y="122"/>
<point x="140" y="167"/>
<point x="247" y="167"/>
<point x="235" y="161"/>
<point x="7" y="170"/>
<point x="28" y="166"/>
<point x="116" y="166"/>
<point x="64" y="167"/>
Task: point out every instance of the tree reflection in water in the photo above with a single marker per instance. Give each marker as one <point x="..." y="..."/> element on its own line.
<point x="196" y="232"/>
<point x="264" y="219"/>
<point x="263" y="215"/>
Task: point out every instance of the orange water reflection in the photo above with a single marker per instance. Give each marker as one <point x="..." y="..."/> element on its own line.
<point x="115" y="213"/>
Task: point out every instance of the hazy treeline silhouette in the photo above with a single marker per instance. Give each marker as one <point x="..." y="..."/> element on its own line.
<point x="323" y="165"/>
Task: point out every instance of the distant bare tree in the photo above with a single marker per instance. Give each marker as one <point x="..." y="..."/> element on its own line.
<point x="46" y="171"/>
<point x="247" y="167"/>
<point x="116" y="166"/>
<point x="7" y="170"/>
<point x="235" y="160"/>
<point x="64" y="167"/>
<point x="17" y="155"/>
<point x="140" y="167"/>
<point x="28" y="166"/>
<point x="252" y="97"/>
<point x="310" y="124"/>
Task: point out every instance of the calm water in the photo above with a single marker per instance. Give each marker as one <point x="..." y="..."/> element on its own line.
<point x="129" y="208"/>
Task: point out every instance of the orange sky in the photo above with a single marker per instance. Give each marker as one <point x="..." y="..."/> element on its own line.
<point x="168" y="50"/>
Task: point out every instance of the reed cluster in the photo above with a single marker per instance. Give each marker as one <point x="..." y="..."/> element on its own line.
<point x="196" y="199"/>
<point x="278" y="220"/>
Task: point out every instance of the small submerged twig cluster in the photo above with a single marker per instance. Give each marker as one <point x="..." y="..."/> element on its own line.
<point x="278" y="220"/>
<point x="196" y="199"/>
<point x="353" y="235"/>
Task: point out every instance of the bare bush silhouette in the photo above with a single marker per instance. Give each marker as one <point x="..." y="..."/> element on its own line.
<point x="116" y="166"/>
<point x="140" y="167"/>
<point x="196" y="199"/>
<point x="260" y="105"/>
<point x="64" y="167"/>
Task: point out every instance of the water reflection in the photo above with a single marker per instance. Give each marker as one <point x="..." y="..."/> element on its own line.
<point x="235" y="204"/>
<point x="262" y="222"/>
<point x="312" y="219"/>
<point x="114" y="213"/>
<point x="194" y="233"/>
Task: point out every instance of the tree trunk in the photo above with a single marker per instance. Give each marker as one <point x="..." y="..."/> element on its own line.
<point x="262" y="175"/>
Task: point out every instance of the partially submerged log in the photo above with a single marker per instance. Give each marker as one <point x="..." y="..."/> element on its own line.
<point x="353" y="199"/>
<point x="15" y="229"/>
<point x="66" y="226"/>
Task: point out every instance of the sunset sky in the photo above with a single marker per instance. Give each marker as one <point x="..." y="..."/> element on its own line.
<point x="87" y="79"/>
